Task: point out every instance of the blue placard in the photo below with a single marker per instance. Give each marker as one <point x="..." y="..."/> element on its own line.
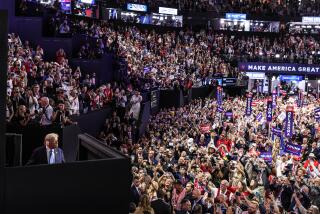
<point x="266" y="156"/>
<point x="220" y="109"/>
<point x="137" y="7"/>
<point x="276" y="132"/>
<point x="289" y="124"/>
<point x="274" y="100"/>
<point x="259" y="117"/>
<point x="236" y="16"/>
<point x="293" y="149"/>
<point x="290" y="78"/>
<point x="269" y="110"/>
<point x="248" y="106"/>
<point x="229" y="115"/>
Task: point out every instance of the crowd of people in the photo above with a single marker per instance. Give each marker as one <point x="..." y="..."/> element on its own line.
<point x="252" y="7"/>
<point x="205" y="157"/>
<point x="47" y="93"/>
<point x="57" y="24"/>
<point x="167" y="59"/>
<point x="199" y="159"/>
<point x="175" y="58"/>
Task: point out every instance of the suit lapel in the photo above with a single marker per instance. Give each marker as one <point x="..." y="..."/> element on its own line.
<point x="45" y="155"/>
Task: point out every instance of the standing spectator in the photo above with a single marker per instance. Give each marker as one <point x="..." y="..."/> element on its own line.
<point x="61" y="116"/>
<point x="60" y="56"/>
<point x="177" y="195"/>
<point x="135" y="191"/>
<point x="64" y="28"/>
<point x="144" y="206"/>
<point x="159" y="205"/>
<point x="22" y="117"/>
<point x="46" y="112"/>
<point x="135" y="105"/>
<point x="185" y="207"/>
<point x="74" y="102"/>
<point x="121" y="102"/>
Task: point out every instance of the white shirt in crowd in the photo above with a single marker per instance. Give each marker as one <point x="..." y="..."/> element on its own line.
<point x="74" y="105"/>
<point x="46" y="118"/>
<point x="135" y="108"/>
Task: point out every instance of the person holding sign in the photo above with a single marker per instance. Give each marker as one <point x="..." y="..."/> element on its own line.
<point x="312" y="165"/>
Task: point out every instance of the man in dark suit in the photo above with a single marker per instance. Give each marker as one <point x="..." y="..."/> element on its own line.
<point x="49" y="153"/>
<point x="197" y="199"/>
<point x="315" y="150"/>
<point x="159" y="205"/>
<point x="185" y="207"/>
<point x="135" y="192"/>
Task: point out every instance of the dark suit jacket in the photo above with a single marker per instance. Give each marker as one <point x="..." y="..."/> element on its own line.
<point x="194" y="202"/>
<point x="39" y="156"/>
<point x="160" y="207"/>
<point x="135" y="195"/>
<point x="316" y="152"/>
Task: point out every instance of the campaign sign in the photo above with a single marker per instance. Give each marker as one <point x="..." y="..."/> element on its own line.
<point x="259" y="117"/>
<point x="269" y="110"/>
<point x="229" y="115"/>
<point x="249" y="105"/>
<point x="236" y="16"/>
<point x="266" y="156"/>
<point x="205" y="128"/>
<point x="300" y="99"/>
<point x="274" y="99"/>
<point x="293" y="149"/>
<point x="219" y="96"/>
<point x="276" y="132"/>
<point x="220" y="109"/>
<point x="289" y="122"/>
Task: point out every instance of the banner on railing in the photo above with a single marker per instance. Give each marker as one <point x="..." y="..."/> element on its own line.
<point x="280" y="68"/>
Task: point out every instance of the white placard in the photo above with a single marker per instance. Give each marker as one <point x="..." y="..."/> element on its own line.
<point x="311" y="19"/>
<point x="167" y="10"/>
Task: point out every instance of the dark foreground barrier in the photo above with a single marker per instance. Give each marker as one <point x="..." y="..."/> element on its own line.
<point x="201" y="92"/>
<point x="144" y="117"/>
<point x="176" y="98"/>
<point x="99" y="186"/>
<point x="93" y="122"/>
<point x="32" y="137"/>
<point x="102" y="67"/>
<point x="236" y="90"/>
<point x="171" y="98"/>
